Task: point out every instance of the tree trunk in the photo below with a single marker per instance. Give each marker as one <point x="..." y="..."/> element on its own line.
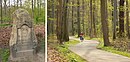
<point x="9" y="8"/>
<point x="127" y="18"/>
<point x="59" y="19"/>
<point x="17" y="3"/>
<point x="121" y="18"/>
<point x="94" y="23"/>
<point x="83" y="16"/>
<point x="73" y="17"/>
<point x="104" y="22"/>
<point x="32" y="9"/>
<point x="78" y="17"/>
<point x="38" y="6"/>
<point x="1" y="11"/>
<point x="20" y="3"/>
<point x="53" y="16"/>
<point x="65" y="32"/>
<point x="5" y="5"/>
<point x="14" y="3"/>
<point x="91" y="21"/>
<point x="114" y="18"/>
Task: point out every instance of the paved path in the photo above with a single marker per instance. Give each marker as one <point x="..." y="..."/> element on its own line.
<point x="88" y="51"/>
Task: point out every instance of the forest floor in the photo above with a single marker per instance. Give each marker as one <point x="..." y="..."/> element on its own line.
<point x="53" y="54"/>
<point x="87" y="50"/>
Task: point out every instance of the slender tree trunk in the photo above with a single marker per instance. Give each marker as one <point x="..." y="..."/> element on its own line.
<point x="17" y="3"/>
<point x="9" y="11"/>
<point x="14" y="3"/>
<point x="34" y="4"/>
<point x="65" y="32"/>
<point x="59" y="19"/>
<point x="127" y="19"/>
<point x="94" y="23"/>
<point x="78" y="17"/>
<point x="38" y="6"/>
<point x="1" y="11"/>
<point x="5" y="5"/>
<point x="53" y="16"/>
<point x="20" y="3"/>
<point x="73" y="17"/>
<point x="104" y="22"/>
<point x="32" y="9"/>
<point x="83" y="16"/>
<point x="121" y="18"/>
<point x="91" y="21"/>
<point x="114" y="18"/>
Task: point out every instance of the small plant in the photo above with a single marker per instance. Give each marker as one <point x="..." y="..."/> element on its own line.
<point x="4" y="53"/>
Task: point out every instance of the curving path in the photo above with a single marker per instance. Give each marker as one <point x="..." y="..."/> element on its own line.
<point x="88" y="51"/>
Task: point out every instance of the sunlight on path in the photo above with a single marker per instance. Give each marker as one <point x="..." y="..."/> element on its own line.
<point x="88" y="51"/>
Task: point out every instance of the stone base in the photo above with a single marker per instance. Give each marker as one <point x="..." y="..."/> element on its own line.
<point x="23" y="56"/>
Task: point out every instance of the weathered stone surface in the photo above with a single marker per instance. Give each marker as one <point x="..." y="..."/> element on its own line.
<point x="23" y="40"/>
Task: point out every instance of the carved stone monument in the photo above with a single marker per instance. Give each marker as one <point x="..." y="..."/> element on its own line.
<point x="23" y="41"/>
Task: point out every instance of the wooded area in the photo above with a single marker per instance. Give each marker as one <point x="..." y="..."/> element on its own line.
<point x="35" y="7"/>
<point x="104" y="19"/>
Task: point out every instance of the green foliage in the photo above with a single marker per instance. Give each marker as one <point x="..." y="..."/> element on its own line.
<point x="39" y="18"/>
<point x="72" y="57"/>
<point x="4" y="25"/>
<point x="6" y="19"/>
<point x="4" y="53"/>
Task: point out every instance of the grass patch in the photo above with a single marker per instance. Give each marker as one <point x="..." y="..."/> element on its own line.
<point x="4" y="54"/>
<point x="112" y="50"/>
<point x="66" y="53"/>
<point x="4" y="25"/>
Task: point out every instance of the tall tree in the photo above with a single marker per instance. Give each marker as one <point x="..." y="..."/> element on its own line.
<point x="59" y="18"/>
<point x="5" y="7"/>
<point x="78" y="17"/>
<point x="127" y="19"/>
<point x="1" y="10"/>
<point x="94" y="18"/>
<point x="14" y="3"/>
<point x="83" y="15"/>
<point x="53" y="16"/>
<point x="32" y="9"/>
<point x="34" y="4"/>
<point x="65" y="22"/>
<point x="17" y="3"/>
<point x="114" y="18"/>
<point x="9" y="8"/>
<point x="20" y="3"/>
<point x="38" y="6"/>
<point x="91" y="20"/>
<point x="72" y="17"/>
<point x="121" y="18"/>
<point x="104" y="22"/>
